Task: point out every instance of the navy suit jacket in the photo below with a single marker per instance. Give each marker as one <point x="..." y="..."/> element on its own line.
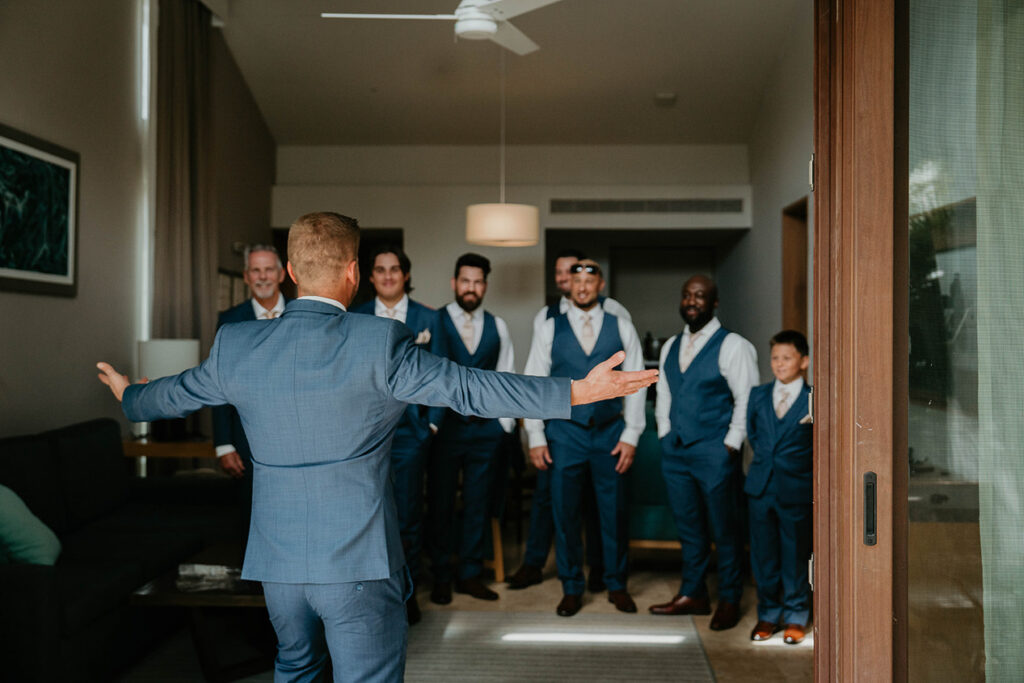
<point x="418" y="319"/>
<point x="782" y="448"/>
<point x="323" y="509"/>
<point x="227" y="426"/>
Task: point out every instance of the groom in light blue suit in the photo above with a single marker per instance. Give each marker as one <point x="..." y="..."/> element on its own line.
<point x="324" y="538"/>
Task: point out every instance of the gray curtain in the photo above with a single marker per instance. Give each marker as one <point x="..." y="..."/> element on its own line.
<point x="1001" y="331"/>
<point x="185" y="239"/>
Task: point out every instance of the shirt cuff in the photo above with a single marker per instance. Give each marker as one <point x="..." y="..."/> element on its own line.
<point x="507" y="423"/>
<point x="535" y="439"/>
<point x="734" y="438"/>
<point x="225" y="449"/>
<point x="630" y="435"/>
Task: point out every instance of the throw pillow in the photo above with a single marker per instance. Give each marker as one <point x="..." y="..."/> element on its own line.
<point x="23" y="538"/>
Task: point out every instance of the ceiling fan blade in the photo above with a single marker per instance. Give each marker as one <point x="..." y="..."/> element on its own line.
<point x="511" y="38"/>
<point x="342" y="15"/>
<point x="507" y="9"/>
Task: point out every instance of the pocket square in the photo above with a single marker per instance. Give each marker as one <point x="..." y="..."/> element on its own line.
<point x="807" y="419"/>
<point x="423" y="337"/>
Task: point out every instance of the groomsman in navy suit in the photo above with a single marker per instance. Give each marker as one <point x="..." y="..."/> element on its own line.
<point x="324" y="538"/>
<point x="779" y="489"/>
<point x="391" y="278"/>
<point x="599" y="439"/>
<point x="474" y="338"/>
<point x="542" y="523"/>
<point x="706" y="376"/>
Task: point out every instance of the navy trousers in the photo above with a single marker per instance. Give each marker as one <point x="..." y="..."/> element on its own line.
<point x="780" y="546"/>
<point x="471" y="449"/>
<point x="702" y="492"/>
<point x="542" y="525"/>
<point x="361" y="626"/>
<point x="589" y="451"/>
<point x="408" y="466"/>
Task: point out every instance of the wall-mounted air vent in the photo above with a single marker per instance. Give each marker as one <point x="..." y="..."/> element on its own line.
<point x="646" y="206"/>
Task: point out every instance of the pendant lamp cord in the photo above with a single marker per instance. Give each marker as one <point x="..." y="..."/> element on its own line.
<point x="502" y="145"/>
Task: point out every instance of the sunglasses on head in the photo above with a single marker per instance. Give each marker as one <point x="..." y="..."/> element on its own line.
<point x="584" y="268"/>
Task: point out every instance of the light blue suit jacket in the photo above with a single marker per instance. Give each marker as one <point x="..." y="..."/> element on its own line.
<point x="320" y="392"/>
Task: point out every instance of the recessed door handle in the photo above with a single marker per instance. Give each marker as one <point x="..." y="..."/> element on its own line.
<point x="870" y="508"/>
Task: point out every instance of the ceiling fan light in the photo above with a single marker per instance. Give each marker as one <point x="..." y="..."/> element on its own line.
<point x="502" y="225"/>
<point x="476" y="29"/>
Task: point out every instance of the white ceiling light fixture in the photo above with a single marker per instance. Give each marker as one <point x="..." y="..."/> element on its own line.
<point x="475" y="20"/>
<point x="501" y="224"/>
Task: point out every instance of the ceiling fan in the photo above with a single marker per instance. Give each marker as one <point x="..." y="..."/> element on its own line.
<point x="476" y="20"/>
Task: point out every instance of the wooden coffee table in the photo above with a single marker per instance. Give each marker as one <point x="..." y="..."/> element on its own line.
<point x="230" y="627"/>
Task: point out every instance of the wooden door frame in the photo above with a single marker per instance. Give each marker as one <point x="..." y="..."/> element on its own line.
<point x="860" y="340"/>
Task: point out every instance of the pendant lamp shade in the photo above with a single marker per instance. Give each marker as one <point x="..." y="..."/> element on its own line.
<point x="502" y="225"/>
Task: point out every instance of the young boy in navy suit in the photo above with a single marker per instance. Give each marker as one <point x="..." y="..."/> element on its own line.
<point x="779" y="489"/>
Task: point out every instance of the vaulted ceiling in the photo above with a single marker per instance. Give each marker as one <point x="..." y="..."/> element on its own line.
<point x="594" y="80"/>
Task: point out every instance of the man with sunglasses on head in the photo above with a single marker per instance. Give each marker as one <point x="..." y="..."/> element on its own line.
<point x="542" y="524"/>
<point x="599" y="439"/>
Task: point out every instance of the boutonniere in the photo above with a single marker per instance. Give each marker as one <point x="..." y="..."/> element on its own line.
<point x="423" y="337"/>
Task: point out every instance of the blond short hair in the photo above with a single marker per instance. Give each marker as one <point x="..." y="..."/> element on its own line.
<point x="321" y="245"/>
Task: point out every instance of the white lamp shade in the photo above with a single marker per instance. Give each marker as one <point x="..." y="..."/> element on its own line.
<point x="502" y="225"/>
<point x="166" y="357"/>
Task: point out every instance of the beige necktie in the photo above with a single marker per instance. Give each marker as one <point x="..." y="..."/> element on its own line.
<point x="587" y="334"/>
<point x="467" y="332"/>
<point x="270" y="315"/>
<point x="689" y="351"/>
<point x="782" y="405"/>
<point x="391" y="312"/>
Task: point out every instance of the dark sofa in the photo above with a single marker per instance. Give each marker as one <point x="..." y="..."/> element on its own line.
<point x="72" y="621"/>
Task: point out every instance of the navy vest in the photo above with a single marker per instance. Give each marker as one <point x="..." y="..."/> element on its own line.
<point x="568" y="360"/>
<point x="487" y="351"/>
<point x="702" y="402"/>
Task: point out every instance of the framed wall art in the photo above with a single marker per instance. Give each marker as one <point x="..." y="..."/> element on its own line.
<point x="38" y="215"/>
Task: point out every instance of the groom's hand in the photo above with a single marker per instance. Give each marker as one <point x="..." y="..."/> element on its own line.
<point x="604" y="382"/>
<point x="113" y="379"/>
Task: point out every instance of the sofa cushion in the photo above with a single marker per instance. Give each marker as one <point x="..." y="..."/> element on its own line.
<point x="89" y="591"/>
<point x="28" y="467"/>
<point x="155" y="553"/>
<point x="23" y="538"/>
<point x="94" y="473"/>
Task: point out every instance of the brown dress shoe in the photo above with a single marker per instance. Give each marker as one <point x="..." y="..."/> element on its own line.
<point x="476" y="588"/>
<point x="622" y="601"/>
<point x="764" y="630"/>
<point x="794" y="634"/>
<point x="726" y="616"/>
<point x="525" y="576"/>
<point x="682" y="604"/>
<point x="569" y="605"/>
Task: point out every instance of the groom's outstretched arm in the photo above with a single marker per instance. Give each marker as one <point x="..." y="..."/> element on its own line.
<point x="416" y="376"/>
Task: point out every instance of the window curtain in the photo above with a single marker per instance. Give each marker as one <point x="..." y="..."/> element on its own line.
<point x="185" y="240"/>
<point x="1000" y="162"/>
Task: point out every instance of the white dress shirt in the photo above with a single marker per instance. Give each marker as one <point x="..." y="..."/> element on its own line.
<point x="261" y="314"/>
<point x="400" y="311"/>
<point x="539" y="363"/>
<point x="506" y="355"/>
<point x="610" y="305"/>
<point x="791" y="391"/>
<point x="264" y="313"/>
<point x="737" y="361"/>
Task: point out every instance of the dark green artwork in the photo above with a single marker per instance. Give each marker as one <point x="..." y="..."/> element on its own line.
<point x="33" y="214"/>
<point x="38" y="215"/>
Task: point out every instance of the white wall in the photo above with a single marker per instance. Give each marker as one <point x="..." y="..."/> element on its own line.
<point x="425" y="191"/>
<point x="69" y="77"/>
<point x="780" y="149"/>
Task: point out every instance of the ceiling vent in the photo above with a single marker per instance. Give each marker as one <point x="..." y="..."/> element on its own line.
<point x="647" y="205"/>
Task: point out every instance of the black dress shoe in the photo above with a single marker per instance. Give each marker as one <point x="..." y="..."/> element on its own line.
<point x="726" y="616"/>
<point x="525" y="576"/>
<point x="442" y="593"/>
<point x="412" y="611"/>
<point x="622" y="601"/>
<point x="682" y="604"/>
<point x="569" y="605"/>
<point x="476" y="588"/>
<point x="595" y="582"/>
